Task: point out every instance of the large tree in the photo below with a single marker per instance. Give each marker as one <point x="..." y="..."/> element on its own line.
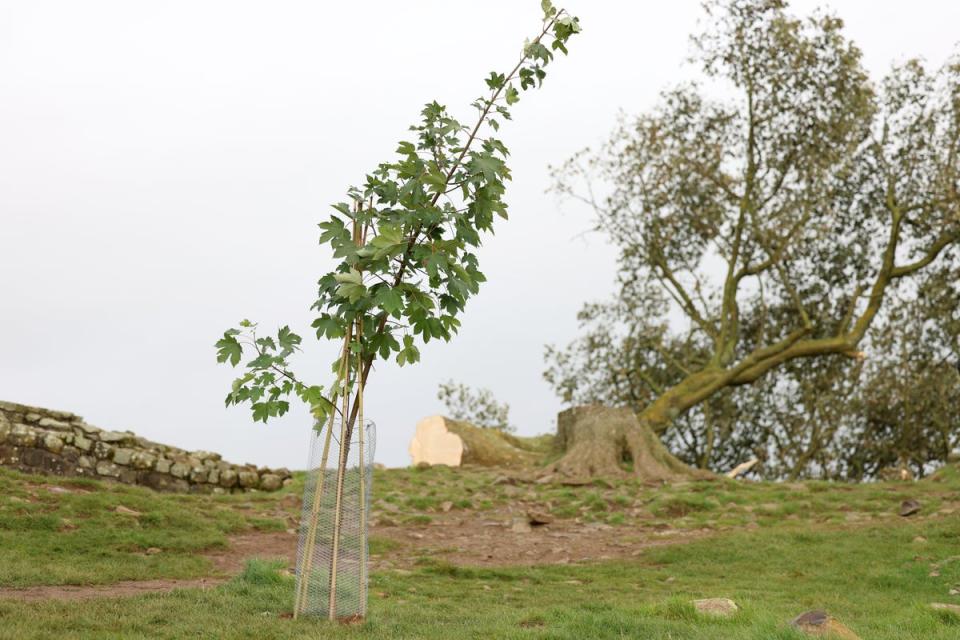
<point x="763" y="216"/>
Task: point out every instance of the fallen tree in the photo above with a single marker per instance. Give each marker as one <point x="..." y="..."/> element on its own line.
<point x="442" y="440"/>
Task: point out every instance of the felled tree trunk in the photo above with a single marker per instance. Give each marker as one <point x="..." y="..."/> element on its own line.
<point x="600" y="441"/>
<point x="440" y="440"/>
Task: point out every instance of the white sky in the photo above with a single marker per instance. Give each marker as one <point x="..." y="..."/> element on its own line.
<point x="163" y="167"/>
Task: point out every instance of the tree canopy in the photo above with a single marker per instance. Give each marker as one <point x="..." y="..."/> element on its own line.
<point x="767" y="217"/>
<point x="406" y="240"/>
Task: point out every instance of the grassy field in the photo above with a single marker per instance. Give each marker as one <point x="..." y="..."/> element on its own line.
<point x="776" y="549"/>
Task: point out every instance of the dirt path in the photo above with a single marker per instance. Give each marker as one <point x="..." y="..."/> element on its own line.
<point x="227" y="563"/>
<point x="469" y="539"/>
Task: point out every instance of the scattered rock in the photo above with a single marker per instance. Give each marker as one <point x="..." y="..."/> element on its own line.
<point x="909" y="507"/>
<point x="717" y="607"/>
<point x="822" y="624"/>
<point x="920" y="540"/>
<point x="536" y="517"/>
<point x="152" y="551"/>
<point x="520" y="525"/>
<point x="446" y="505"/>
<point x="125" y="511"/>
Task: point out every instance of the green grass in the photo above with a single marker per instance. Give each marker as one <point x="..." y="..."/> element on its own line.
<point x="77" y="537"/>
<point x="875" y="579"/>
<point x="776" y="549"/>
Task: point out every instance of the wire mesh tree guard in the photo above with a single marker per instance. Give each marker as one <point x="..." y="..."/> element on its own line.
<point x="333" y="548"/>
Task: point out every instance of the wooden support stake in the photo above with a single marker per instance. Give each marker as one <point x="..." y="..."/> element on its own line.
<point x="310" y="542"/>
<point x="363" y="486"/>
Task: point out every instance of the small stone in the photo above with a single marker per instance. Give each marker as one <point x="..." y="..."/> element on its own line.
<point x="270" y="482"/>
<point x="717" y="607"/>
<point x="909" y="507"/>
<point x="163" y="465"/>
<point x="113" y="436"/>
<point x="32" y="417"/>
<point x="125" y="511"/>
<point x="152" y="551"/>
<point x="520" y="525"/>
<point x="920" y="540"/>
<point x="446" y="505"/>
<point x="52" y="443"/>
<point x="821" y="624"/>
<point x="122" y="456"/>
<point x="955" y="592"/>
<point x="198" y="474"/>
<point x="213" y="476"/>
<point x="536" y="517"/>
<point x="85" y="462"/>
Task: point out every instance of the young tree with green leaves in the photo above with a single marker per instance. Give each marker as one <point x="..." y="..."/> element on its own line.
<point x="776" y="219"/>
<point x="409" y="275"/>
<point x="407" y="241"/>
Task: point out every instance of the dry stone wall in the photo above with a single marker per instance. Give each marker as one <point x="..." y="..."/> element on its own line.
<point x="44" y="441"/>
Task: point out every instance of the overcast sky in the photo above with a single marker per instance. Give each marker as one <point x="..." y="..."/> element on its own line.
<point x="163" y="166"/>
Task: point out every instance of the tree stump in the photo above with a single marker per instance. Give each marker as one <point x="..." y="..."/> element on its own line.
<point x="602" y="441"/>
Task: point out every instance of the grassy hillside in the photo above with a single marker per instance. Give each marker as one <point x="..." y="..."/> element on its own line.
<point x="775" y="549"/>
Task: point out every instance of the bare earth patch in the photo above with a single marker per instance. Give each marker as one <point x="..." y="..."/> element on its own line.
<point x="464" y="538"/>
<point x="489" y="539"/>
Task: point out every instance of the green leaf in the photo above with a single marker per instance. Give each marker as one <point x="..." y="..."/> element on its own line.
<point x="229" y="349"/>
<point x="353" y="277"/>
<point x="288" y="340"/>
<point x="389" y="299"/>
<point x="512" y="95"/>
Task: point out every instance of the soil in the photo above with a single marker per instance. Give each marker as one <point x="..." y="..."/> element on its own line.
<point x="467" y="538"/>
